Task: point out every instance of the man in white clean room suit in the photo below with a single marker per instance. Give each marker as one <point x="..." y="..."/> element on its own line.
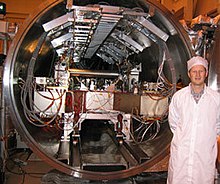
<point x="194" y="120"/>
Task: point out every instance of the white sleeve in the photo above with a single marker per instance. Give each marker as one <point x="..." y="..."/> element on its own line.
<point x="218" y="116"/>
<point x="173" y="116"/>
<point x="218" y="123"/>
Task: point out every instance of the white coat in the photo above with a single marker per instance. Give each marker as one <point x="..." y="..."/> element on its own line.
<point x="195" y="127"/>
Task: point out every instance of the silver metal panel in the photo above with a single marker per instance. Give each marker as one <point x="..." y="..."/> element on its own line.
<point x="127" y="41"/>
<point x="154" y="29"/>
<point x="57" y="22"/>
<point x="59" y="41"/>
<point x="131" y="42"/>
<point x="102" y="31"/>
<point x="106" y="58"/>
<point x="78" y="20"/>
<point x="117" y="50"/>
<point x="60" y="51"/>
<point x="60" y="28"/>
<point x="113" y="54"/>
<point x="86" y="8"/>
<point x="110" y="9"/>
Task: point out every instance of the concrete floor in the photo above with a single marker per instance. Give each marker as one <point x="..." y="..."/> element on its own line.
<point x="25" y="168"/>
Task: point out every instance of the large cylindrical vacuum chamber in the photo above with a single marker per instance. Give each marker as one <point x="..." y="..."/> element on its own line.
<point x="213" y="79"/>
<point x="65" y="61"/>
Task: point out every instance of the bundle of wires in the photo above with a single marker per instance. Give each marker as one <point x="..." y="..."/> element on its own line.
<point x="33" y="114"/>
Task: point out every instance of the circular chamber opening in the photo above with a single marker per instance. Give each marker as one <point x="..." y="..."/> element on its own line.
<point x="89" y="84"/>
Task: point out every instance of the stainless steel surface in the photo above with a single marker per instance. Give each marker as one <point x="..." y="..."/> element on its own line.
<point x="169" y="42"/>
<point x="214" y="68"/>
<point x="147" y="24"/>
<point x="82" y="72"/>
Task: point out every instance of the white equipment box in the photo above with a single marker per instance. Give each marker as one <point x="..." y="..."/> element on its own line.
<point x="50" y="101"/>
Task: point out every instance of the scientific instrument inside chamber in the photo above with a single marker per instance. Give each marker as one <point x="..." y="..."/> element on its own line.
<point x="92" y="85"/>
<point x="96" y="75"/>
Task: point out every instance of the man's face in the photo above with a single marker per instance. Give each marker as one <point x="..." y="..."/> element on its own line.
<point x="197" y="75"/>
